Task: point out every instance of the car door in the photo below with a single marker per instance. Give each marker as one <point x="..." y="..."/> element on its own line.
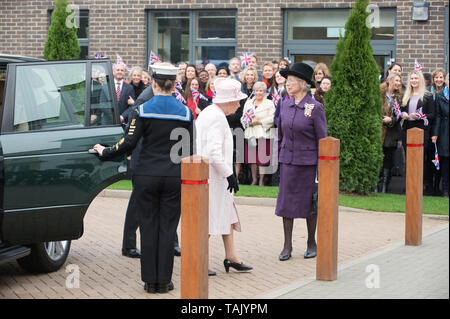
<point x="53" y="113"/>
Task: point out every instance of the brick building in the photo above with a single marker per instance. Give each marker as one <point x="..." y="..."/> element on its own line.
<point x="218" y="30"/>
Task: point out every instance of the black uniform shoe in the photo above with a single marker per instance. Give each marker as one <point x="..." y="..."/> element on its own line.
<point x="310" y="254"/>
<point x="177" y="251"/>
<point x="150" y="288"/>
<point x="131" y="252"/>
<point x="211" y="273"/>
<point x="164" y="288"/>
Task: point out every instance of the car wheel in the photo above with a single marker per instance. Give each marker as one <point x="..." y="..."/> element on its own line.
<point x="46" y="257"/>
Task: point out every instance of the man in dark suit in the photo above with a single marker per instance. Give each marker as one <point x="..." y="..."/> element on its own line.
<point x="125" y="100"/>
<point x="124" y="92"/>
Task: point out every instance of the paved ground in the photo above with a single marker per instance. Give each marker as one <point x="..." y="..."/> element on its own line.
<point x="104" y="273"/>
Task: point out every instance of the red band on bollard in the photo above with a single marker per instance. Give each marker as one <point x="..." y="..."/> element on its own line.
<point x="195" y="182"/>
<point x="328" y="158"/>
<point x="414" y="145"/>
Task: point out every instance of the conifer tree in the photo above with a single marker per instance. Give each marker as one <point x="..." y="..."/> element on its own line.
<point x="353" y="105"/>
<point x="62" y="41"/>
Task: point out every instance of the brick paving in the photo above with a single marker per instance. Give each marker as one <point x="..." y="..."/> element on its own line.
<point x="105" y="273"/>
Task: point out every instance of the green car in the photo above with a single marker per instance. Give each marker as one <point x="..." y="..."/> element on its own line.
<point x="52" y="113"/>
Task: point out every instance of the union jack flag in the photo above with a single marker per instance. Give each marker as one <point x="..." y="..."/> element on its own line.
<point x="99" y="56"/>
<point x="245" y="58"/>
<point x="422" y="116"/>
<point x="275" y="96"/>
<point x="247" y="118"/>
<point x="436" y="157"/>
<point x="178" y="96"/>
<point x="197" y="95"/>
<point x="396" y="109"/>
<point x="178" y="86"/>
<point x="153" y="58"/>
<point x="418" y="66"/>
<point x="120" y="61"/>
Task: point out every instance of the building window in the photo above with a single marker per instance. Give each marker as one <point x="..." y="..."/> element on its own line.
<point x="82" y="31"/>
<point x="192" y="36"/>
<point x="311" y="35"/>
<point x="322" y="24"/>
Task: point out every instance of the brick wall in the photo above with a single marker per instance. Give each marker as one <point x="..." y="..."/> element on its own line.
<point x="119" y="27"/>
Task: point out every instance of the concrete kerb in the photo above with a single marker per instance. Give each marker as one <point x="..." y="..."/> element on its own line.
<point x="268" y="202"/>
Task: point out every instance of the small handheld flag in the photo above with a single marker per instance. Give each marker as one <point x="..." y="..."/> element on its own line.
<point x="418" y="66"/>
<point x="245" y="58"/>
<point x="275" y="96"/>
<point x="178" y="96"/>
<point x="396" y="109"/>
<point x="197" y="95"/>
<point x="436" y="157"/>
<point x="247" y="118"/>
<point x="153" y="58"/>
<point x="422" y="116"/>
<point x="99" y="56"/>
<point x="120" y="61"/>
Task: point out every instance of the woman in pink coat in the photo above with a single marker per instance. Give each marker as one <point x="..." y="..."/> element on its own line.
<point x="215" y="142"/>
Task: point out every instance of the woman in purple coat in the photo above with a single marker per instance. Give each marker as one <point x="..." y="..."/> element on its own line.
<point x="301" y="124"/>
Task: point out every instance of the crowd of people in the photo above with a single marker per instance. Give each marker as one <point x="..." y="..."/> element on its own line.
<point x="217" y="101"/>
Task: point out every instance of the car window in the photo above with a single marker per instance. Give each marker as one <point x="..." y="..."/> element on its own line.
<point x="101" y="102"/>
<point x="49" y="96"/>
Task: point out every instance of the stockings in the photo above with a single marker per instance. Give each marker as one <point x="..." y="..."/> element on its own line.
<point x="288" y="225"/>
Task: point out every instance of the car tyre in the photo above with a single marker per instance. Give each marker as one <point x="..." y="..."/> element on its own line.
<point x="46" y="257"/>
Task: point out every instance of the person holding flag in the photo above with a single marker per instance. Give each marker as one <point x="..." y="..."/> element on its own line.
<point x="440" y="135"/>
<point x="391" y="97"/>
<point x="417" y="110"/>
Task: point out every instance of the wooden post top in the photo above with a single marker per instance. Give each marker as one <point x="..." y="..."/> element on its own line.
<point x="194" y="168"/>
<point x="329" y="147"/>
<point x="414" y="136"/>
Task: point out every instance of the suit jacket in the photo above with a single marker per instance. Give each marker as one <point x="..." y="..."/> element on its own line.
<point x="126" y="91"/>
<point x="298" y="133"/>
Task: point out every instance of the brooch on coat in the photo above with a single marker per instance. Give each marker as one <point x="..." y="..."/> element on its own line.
<point x="308" y="109"/>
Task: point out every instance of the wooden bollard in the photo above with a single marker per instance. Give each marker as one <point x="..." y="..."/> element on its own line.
<point x="327" y="209"/>
<point x="414" y="186"/>
<point x="194" y="227"/>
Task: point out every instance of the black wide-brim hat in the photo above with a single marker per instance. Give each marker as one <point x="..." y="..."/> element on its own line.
<point x="301" y="70"/>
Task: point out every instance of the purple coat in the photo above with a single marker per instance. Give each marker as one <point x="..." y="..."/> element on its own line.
<point x="299" y="137"/>
<point x="298" y="134"/>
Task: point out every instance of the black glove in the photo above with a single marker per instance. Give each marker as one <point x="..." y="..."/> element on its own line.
<point x="232" y="184"/>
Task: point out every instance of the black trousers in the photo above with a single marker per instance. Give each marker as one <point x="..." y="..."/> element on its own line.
<point x="131" y="223"/>
<point x="158" y="202"/>
<point x="388" y="159"/>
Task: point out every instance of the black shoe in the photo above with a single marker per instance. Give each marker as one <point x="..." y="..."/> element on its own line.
<point x="284" y="257"/>
<point x="177" y="251"/>
<point x="239" y="267"/>
<point x="310" y="254"/>
<point x="131" y="252"/>
<point x="150" y="288"/>
<point x="164" y="288"/>
<point x="211" y="273"/>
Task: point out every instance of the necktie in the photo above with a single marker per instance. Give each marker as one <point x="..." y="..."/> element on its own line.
<point x="118" y="91"/>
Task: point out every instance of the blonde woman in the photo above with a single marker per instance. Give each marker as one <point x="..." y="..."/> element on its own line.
<point x="248" y="78"/>
<point x="258" y="133"/>
<point x="136" y="80"/>
<point x="146" y="79"/>
<point x="418" y="111"/>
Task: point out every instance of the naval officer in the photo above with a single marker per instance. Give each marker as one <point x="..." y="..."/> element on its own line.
<point x="157" y="181"/>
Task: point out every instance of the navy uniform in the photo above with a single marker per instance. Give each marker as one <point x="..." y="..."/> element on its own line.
<point x="156" y="180"/>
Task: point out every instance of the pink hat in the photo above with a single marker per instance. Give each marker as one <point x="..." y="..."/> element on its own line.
<point x="228" y="90"/>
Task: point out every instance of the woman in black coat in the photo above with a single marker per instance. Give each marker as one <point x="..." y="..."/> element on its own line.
<point x="440" y="134"/>
<point x="418" y="111"/>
